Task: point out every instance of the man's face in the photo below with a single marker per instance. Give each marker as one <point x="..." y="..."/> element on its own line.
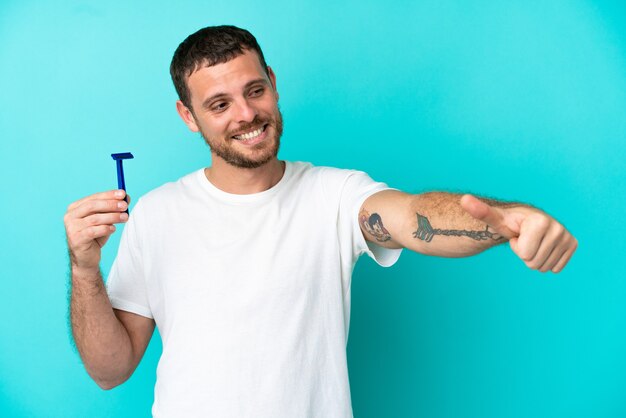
<point x="235" y="108"/>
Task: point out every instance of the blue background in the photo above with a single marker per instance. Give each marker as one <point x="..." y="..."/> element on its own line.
<point x="521" y="100"/>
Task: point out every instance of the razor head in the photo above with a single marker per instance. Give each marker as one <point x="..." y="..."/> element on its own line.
<point x="122" y="156"/>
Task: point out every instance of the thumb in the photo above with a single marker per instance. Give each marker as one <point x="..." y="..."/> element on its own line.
<point x="490" y="215"/>
<point x="514" y="246"/>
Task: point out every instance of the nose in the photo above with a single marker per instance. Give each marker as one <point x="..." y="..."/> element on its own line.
<point x="245" y="112"/>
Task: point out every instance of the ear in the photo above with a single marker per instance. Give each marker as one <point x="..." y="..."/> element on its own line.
<point x="270" y="72"/>
<point x="187" y="116"/>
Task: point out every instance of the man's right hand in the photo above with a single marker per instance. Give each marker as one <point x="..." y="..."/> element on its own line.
<point x="89" y="222"/>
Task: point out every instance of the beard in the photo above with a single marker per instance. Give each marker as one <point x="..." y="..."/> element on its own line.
<point x="260" y="154"/>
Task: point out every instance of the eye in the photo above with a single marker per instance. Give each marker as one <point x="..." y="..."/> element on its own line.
<point x="220" y="106"/>
<point x="257" y="92"/>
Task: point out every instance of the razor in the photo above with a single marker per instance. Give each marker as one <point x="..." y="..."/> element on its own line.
<point x="119" y="158"/>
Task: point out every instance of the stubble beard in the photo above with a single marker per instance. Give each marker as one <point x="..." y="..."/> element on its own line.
<point x="264" y="152"/>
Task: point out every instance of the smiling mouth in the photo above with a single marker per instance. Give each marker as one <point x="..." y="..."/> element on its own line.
<point x="251" y="135"/>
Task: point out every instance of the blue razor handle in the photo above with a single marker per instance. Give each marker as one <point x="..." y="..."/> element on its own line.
<point x="119" y="158"/>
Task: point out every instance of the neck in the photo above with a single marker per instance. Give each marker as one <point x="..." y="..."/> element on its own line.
<point x="237" y="180"/>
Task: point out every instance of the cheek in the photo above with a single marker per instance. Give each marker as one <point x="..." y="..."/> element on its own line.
<point x="215" y="127"/>
<point x="269" y="104"/>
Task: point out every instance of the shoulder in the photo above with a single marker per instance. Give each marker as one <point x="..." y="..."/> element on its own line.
<point x="170" y="191"/>
<point x="333" y="182"/>
<point x="328" y="174"/>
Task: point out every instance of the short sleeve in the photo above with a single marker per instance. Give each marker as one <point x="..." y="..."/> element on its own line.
<point x="126" y="284"/>
<point x="357" y="188"/>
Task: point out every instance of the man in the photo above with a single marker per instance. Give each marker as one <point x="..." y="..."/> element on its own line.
<point x="245" y="266"/>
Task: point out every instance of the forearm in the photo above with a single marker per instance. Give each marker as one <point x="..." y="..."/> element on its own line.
<point x="454" y="225"/>
<point x="440" y="226"/>
<point x="430" y="223"/>
<point x="102" y="341"/>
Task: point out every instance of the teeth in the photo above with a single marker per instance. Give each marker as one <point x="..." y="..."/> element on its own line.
<point x="250" y="135"/>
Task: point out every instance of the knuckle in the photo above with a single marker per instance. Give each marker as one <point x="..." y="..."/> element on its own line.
<point x="92" y="206"/>
<point x="73" y="233"/>
<point x="560" y="230"/>
<point x="543" y="221"/>
<point x="69" y="233"/>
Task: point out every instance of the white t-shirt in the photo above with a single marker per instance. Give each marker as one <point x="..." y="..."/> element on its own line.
<point x="250" y="293"/>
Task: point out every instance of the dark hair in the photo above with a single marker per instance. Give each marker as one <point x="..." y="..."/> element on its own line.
<point x="209" y="46"/>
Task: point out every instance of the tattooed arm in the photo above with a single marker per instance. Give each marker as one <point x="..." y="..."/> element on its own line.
<point x="453" y="225"/>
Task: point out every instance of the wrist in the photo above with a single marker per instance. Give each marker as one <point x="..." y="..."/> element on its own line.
<point x="86" y="273"/>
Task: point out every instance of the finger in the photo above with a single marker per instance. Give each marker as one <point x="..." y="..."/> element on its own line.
<point x="554" y="257"/>
<point x="552" y="239"/>
<point x="515" y="246"/>
<point x="90" y="207"/>
<point x="488" y="214"/>
<point x="560" y="265"/>
<point x="532" y="232"/>
<point x="108" y="195"/>
<point x="104" y="219"/>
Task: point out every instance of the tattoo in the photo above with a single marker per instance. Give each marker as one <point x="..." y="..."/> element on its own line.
<point x="425" y="232"/>
<point x="373" y="224"/>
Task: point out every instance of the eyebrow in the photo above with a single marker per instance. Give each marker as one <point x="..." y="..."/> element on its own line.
<point x="207" y="102"/>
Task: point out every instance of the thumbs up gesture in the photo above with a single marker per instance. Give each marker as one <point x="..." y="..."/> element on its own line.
<point x="534" y="236"/>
